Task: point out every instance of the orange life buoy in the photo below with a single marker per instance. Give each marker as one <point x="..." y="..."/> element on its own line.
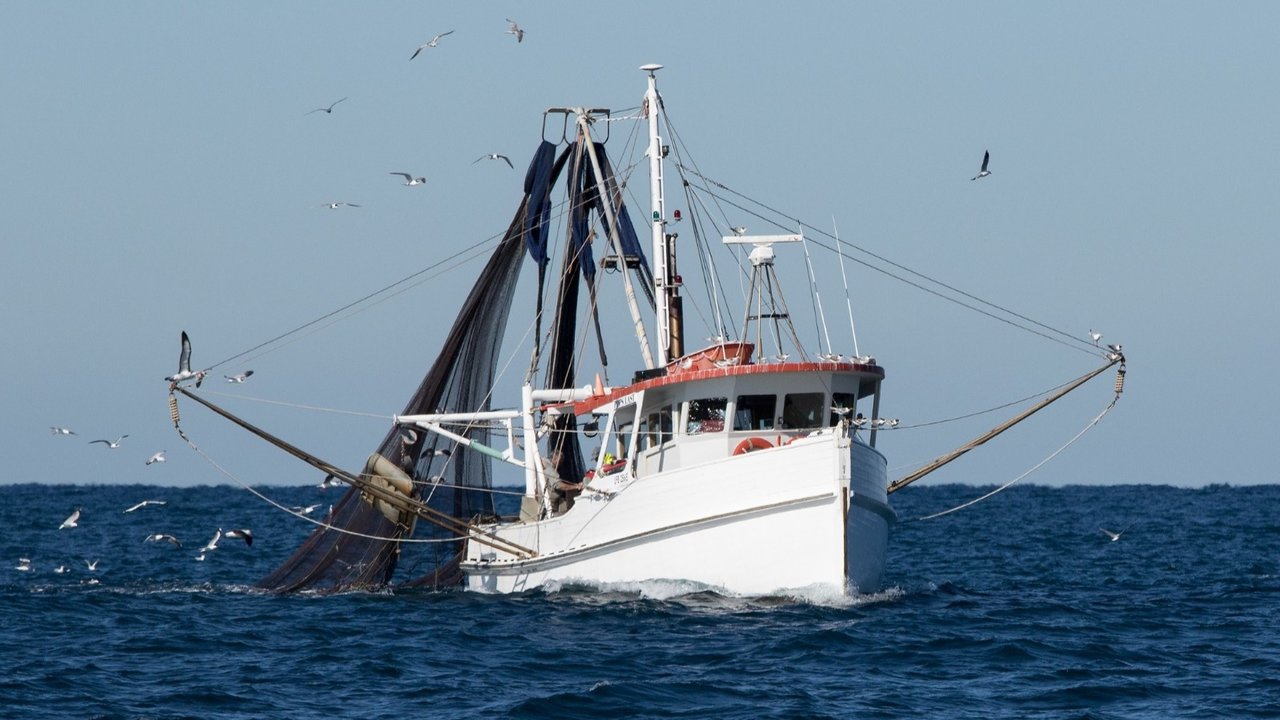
<point x="752" y="444"/>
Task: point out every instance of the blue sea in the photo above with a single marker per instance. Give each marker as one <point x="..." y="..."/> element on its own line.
<point x="1017" y="607"/>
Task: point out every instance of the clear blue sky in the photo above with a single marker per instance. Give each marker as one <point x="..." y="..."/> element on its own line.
<point x="160" y="172"/>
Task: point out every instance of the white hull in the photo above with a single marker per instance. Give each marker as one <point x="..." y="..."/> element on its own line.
<point x="753" y="524"/>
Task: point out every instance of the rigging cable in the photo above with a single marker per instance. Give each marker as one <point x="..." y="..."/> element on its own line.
<point x="1089" y="349"/>
<point x="1037" y="466"/>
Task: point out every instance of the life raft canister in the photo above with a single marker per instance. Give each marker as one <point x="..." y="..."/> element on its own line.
<point x="751" y="445"/>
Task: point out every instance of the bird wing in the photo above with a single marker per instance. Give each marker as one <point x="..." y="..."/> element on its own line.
<point x="184" y="357"/>
<point x="986" y="158"/>
<point x="508" y="161"/>
<point x="106" y="442"/>
<point x="415" y="52"/>
<point x="335" y="102"/>
<point x="406" y="176"/>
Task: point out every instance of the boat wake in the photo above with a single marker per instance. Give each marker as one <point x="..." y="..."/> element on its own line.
<point x="690" y="593"/>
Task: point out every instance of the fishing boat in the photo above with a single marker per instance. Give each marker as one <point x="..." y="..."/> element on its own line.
<point x="746" y="464"/>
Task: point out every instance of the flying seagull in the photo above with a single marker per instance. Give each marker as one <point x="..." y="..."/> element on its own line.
<point x="738" y="230"/>
<point x="24" y="565"/>
<point x="409" y="179"/>
<point x="325" y="110"/>
<point x="110" y="445"/>
<point x="61" y="430"/>
<point x="1113" y="535"/>
<point x="157" y="458"/>
<point x="244" y="534"/>
<point x="495" y="156"/>
<point x="429" y="44"/>
<point x="1095" y="336"/>
<point x="241" y="377"/>
<point x="92" y="565"/>
<point x="305" y="510"/>
<point x="986" y="158"/>
<point x="515" y="30"/>
<point x="143" y="504"/>
<point x="157" y="537"/>
<point x="211" y="545"/>
<point x="73" y="520"/>
<point x="336" y="205"/>
<point x="184" y="366"/>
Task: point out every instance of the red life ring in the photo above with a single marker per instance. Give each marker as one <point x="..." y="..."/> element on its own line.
<point x="752" y="444"/>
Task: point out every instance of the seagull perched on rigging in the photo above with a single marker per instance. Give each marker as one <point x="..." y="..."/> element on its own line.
<point x="1113" y="535"/>
<point x="241" y="377"/>
<point x="1095" y="336"/>
<point x="325" y="110"/>
<point x="986" y="158"/>
<point x="143" y="504"/>
<point x="110" y="445"/>
<point x="157" y="537"/>
<point x="73" y="520"/>
<point x="515" y="30"/>
<point x="157" y="458"/>
<point x="244" y="534"/>
<point x="61" y="430"/>
<point x="409" y="179"/>
<point x="336" y="205"/>
<point x="495" y="156"/>
<point x="429" y="44"/>
<point x="184" y="366"/>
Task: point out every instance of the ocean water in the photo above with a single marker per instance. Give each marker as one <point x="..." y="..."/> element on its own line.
<point x="1018" y="607"/>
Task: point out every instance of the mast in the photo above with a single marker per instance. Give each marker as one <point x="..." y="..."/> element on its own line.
<point x="666" y="286"/>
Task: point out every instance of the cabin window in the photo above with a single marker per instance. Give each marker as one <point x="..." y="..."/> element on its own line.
<point x="845" y="402"/>
<point x="754" y="412"/>
<point x="803" y="410"/>
<point x="621" y="442"/>
<point x="706" y="415"/>
<point x="657" y="428"/>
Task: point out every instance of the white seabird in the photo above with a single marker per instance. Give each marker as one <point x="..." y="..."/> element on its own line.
<point x="60" y="569"/>
<point x="429" y="44"/>
<point x="325" y="110"/>
<point x="157" y="458"/>
<point x="110" y="445"/>
<point x="157" y="537"/>
<point x="738" y="230"/>
<point x="24" y="565"/>
<point x="986" y="158"/>
<point x="1095" y="336"/>
<point x="336" y="205"/>
<point x="73" y="520"/>
<point x="515" y="30"/>
<point x="91" y="564"/>
<point x="409" y="179"/>
<point x="184" y="365"/>
<point x="495" y="156"/>
<point x="305" y="510"/>
<point x="244" y="534"/>
<point x="1113" y="535"/>
<point x="61" y="430"/>
<point x="212" y="544"/>
<point x="239" y="378"/>
<point x="143" y="504"/>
